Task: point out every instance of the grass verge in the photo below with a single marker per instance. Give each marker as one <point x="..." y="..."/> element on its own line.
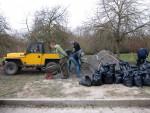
<point x="130" y="57"/>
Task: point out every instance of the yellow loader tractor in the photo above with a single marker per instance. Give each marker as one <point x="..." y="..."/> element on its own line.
<point x="35" y="56"/>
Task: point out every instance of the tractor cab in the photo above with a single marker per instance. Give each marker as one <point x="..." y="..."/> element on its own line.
<point x="36" y="48"/>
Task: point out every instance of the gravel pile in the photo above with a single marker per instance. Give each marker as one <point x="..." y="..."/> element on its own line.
<point x="103" y="57"/>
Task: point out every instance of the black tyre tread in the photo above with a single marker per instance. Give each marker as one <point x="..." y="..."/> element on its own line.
<point x="10" y="63"/>
<point x="52" y="69"/>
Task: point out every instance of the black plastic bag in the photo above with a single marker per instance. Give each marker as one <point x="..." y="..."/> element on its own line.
<point x="138" y="79"/>
<point x="86" y="81"/>
<point x="146" y="80"/>
<point x="108" y="78"/>
<point x="105" y="68"/>
<point x="144" y="66"/>
<point x="118" y="78"/>
<point x="124" y="66"/>
<point x="128" y="80"/>
<point x="97" y="78"/>
<point x="112" y="68"/>
<point x="108" y="68"/>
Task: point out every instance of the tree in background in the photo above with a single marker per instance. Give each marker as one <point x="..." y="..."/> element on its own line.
<point x="3" y="25"/>
<point x="50" y="24"/>
<point x="3" y="34"/>
<point x="9" y="42"/>
<point x="123" y="18"/>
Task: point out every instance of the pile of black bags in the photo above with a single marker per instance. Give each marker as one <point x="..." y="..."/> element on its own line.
<point x="128" y="75"/>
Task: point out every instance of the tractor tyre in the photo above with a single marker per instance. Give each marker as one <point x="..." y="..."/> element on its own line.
<point x="52" y="67"/>
<point x="11" y="68"/>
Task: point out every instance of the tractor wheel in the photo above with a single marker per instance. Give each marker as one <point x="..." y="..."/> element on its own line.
<point x="52" y="67"/>
<point x="10" y="68"/>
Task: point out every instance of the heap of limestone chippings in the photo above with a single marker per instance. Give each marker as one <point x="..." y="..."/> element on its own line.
<point x="103" y="57"/>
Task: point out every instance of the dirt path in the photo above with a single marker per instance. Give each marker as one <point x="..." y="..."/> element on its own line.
<point x="32" y="84"/>
<point x="74" y="110"/>
<point x="71" y="89"/>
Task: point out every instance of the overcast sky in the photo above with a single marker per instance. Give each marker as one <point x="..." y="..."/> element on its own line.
<point x="16" y="11"/>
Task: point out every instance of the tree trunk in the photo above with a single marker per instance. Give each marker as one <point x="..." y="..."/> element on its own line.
<point x="118" y="48"/>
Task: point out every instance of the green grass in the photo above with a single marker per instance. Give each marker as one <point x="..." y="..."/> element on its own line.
<point x="130" y="57"/>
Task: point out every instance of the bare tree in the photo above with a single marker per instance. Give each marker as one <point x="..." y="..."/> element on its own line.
<point x="48" y="22"/>
<point x="3" y="25"/>
<point x="3" y="34"/>
<point x="123" y="17"/>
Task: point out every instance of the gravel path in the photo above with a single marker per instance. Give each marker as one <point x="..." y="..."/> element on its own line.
<point x="73" y="110"/>
<point x="34" y="85"/>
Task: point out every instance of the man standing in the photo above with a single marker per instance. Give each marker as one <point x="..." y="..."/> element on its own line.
<point x="63" y="61"/>
<point x="75" y="58"/>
